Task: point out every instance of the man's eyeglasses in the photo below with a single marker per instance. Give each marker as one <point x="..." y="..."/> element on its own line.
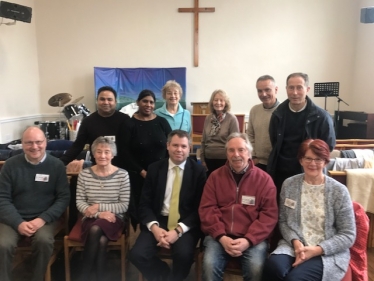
<point x="316" y="160"/>
<point x="31" y="143"/>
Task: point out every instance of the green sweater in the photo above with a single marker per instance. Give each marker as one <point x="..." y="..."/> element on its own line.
<point x="22" y="198"/>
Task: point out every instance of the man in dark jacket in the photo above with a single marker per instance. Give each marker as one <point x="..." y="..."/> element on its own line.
<point x="168" y="212"/>
<point x="295" y="120"/>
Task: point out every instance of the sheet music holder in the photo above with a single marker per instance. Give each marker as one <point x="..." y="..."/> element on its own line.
<point x="327" y="89"/>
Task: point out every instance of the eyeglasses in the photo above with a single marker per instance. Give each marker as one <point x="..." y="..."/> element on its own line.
<point x="316" y="160"/>
<point x="31" y="143"/>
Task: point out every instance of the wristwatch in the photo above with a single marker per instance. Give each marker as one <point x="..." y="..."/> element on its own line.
<point x="178" y="232"/>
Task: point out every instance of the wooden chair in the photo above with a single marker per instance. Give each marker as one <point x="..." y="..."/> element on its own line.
<point x="241" y="121"/>
<point x="342" y="146"/>
<point x="355" y="141"/>
<point x="72" y="243"/>
<point x="197" y="126"/>
<point x="24" y="248"/>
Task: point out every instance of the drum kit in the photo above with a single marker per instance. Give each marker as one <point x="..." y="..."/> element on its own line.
<point x="72" y="111"/>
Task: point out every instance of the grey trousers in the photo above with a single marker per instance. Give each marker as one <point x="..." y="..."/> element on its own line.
<point x="42" y="243"/>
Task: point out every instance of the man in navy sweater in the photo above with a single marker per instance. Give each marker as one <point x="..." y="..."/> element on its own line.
<point x="34" y="192"/>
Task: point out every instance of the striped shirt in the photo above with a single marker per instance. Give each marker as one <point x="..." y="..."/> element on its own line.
<point x="112" y="193"/>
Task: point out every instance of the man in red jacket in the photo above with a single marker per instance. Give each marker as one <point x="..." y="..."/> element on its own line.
<point x="238" y="212"/>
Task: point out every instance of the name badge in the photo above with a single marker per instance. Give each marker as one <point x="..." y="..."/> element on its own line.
<point x="112" y="138"/>
<point x="290" y="203"/>
<point x="41" y="177"/>
<point x="248" y="200"/>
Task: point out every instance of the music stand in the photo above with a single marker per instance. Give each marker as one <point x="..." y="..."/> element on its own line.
<point x="327" y="89"/>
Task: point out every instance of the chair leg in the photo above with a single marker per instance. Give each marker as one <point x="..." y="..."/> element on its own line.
<point x="47" y="276"/>
<point x="199" y="265"/>
<point x="123" y="257"/>
<point x="67" y="260"/>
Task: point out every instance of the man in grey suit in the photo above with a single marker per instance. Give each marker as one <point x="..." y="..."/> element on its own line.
<point x="158" y="209"/>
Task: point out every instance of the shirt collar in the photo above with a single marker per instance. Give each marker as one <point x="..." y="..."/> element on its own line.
<point x="41" y="161"/>
<point x="172" y="165"/>
<point x="289" y="105"/>
<point x="241" y="172"/>
<point x="274" y="105"/>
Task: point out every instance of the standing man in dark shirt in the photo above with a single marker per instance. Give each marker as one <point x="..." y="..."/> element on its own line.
<point x="294" y="121"/>
<point x="106" y="122"/>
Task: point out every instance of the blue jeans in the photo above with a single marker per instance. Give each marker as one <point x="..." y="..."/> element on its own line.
<point x="215" y="260"/>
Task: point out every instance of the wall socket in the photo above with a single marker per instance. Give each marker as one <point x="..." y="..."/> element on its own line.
<point x="8" y="138"/>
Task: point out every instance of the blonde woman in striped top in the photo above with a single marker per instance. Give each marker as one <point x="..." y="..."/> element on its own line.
<point x="103" y="195"/>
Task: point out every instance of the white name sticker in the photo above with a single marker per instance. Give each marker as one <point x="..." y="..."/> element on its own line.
<point x="290" y="203"/>
<point x="41" y="177"/>
<point x="248" y="200"/>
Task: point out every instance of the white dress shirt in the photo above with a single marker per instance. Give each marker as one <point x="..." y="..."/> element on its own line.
<point x="168" y="191"/>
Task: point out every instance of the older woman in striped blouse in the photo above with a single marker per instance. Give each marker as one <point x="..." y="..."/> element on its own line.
<point x="103" y="195"/>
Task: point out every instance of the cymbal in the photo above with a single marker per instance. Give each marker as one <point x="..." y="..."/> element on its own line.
<point x="77" y="99"/>
<point x="59" y="99"/>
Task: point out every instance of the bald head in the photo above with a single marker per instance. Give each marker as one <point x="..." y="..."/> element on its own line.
<point x="34" y="144"/>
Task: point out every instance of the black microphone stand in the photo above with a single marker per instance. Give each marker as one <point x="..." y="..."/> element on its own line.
<point x="338" y="115"/>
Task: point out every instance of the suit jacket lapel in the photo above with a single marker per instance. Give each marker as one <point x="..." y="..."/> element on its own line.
<point x="162" y="181"/>
<point x="187" y="174"/>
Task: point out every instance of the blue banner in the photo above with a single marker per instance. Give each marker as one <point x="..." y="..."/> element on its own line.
<point x="129" y="82"/>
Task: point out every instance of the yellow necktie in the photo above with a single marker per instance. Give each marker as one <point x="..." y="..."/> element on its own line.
<point x="174" y="200"/>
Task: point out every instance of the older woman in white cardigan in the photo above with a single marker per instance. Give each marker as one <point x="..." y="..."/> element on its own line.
<point x="316" y="221"/>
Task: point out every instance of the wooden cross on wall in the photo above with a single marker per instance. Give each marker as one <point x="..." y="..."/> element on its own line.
<point x="196" y="10"/>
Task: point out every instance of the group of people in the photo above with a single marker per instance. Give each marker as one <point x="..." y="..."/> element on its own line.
<point x="246" y="187"/>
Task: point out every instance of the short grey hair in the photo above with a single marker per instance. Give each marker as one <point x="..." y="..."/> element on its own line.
<point x="304" y="76"/>
<point x="105" y="141"/>
<point x="243" y="136"/>
<point x="171" y="84"/>
<point x="264" y="78"/>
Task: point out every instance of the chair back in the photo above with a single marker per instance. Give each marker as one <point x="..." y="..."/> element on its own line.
<point x="241" y="122"/>
<point x="197" y="126"/>
<point x="358" y="262"/>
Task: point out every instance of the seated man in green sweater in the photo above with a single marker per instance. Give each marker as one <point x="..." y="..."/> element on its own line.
<point x="34" y="193"/>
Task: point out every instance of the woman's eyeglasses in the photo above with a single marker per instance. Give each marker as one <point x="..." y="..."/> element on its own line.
<point x="316" y="160"/>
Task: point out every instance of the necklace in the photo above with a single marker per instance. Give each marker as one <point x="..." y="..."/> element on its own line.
<point x="101" y="174"/>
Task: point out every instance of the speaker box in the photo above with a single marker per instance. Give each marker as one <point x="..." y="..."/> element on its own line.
<point x="15" y="11"/>
<point x="367" y="15"/>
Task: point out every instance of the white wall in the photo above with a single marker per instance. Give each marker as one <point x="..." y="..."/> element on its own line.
<point x="19" y="76"/>
<point x="362" y="95"/>
<point x="241" y="41"/>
